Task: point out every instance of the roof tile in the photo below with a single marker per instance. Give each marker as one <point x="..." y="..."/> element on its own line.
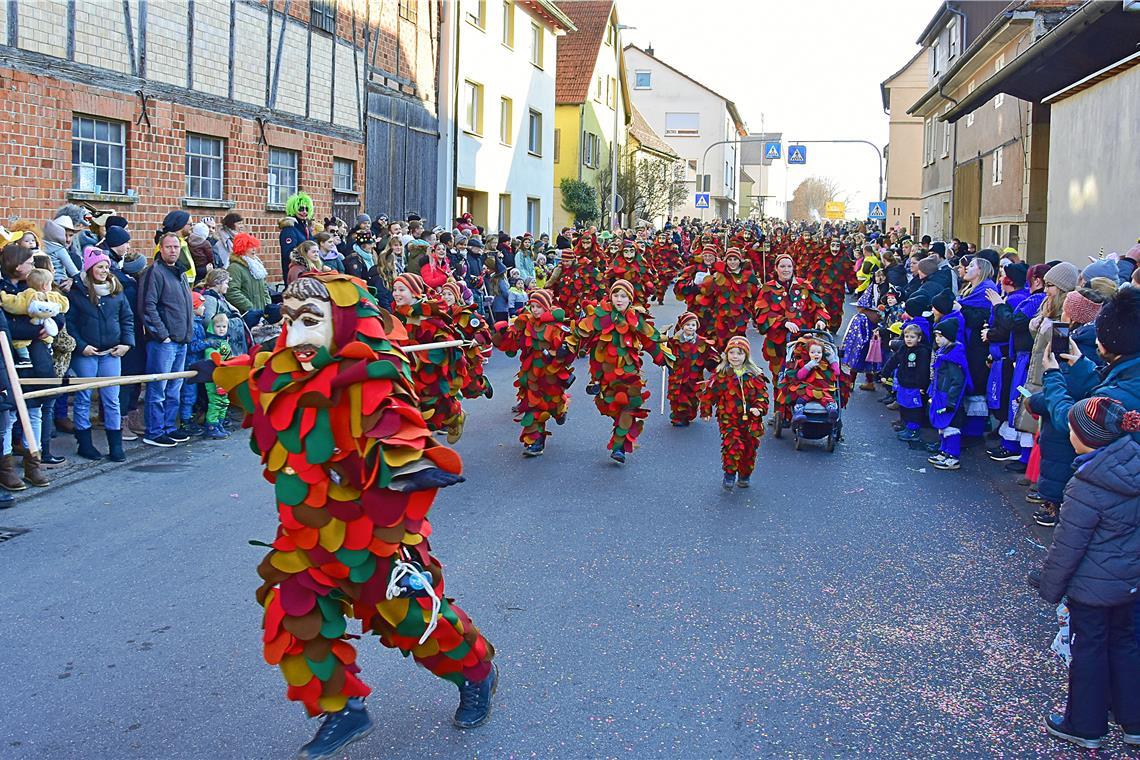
<point x="578" y="51"/>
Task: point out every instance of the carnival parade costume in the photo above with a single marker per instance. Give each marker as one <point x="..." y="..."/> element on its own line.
<point x="695" y="356"/>
<point x="730" y="297"/>
<point x="733" y="393"/>
<point x="780" y="302"/>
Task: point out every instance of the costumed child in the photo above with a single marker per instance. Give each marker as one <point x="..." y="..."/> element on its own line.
<point x="217" y="402"/>
<point x="544" y="338"/>
<point x="472" y="328"/>
<point x="739" y="391"/>
<point x="909" y="366"/>
<point x="731" y="291"/>
<point x="631" y="265"/>
<point x="814" y="382"/>
<point x="949" y="385"/>
<point x="695" y="356"/>
<point x="614" y="334"/>
<point x="437" y="373"/>
<point x="40" y="303"/>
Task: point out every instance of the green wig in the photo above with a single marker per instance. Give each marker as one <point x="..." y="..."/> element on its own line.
<point x="296" y="201"/>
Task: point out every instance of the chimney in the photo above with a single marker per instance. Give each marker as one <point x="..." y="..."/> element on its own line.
<point x="649" y="50"/>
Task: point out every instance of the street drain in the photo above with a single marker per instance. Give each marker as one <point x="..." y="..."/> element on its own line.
<point x="7" y="534"/>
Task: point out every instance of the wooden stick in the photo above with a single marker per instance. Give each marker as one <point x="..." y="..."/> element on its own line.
<point x="30" y="441"/>
<point x="429" y="346"/>
<point x="106" y="382"/>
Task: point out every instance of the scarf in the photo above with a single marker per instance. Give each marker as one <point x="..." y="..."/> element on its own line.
<point x="102" y="288"/>
<point x="369" y="262"/>
<point x="256" y="268"/>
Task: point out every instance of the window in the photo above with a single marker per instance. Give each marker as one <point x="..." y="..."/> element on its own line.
<point x="935" y="64"/>
<point x="997" y="168"/>
<point x="643" y="80"/>
<point x="204" y="167"/>
<point x="610" y="35"/>
<point x="473" y="107"/>
<point x="955" y="34"/>
<point x="476" y="13"/>
<point x="946" y="137"/>
<point x="504" y="211"/>
<point x="534" y="136"/>
<point x="282" y="175"/>
<point x="533" y="215"/>
<point x="999" y="64"/>
<point x="970" y="116"/>
<point x="536" y="45"/>
<point x="98" y="155"/>
<point x="322" y="15"/>
<point x="611" y="92"/>
<point x="928" y="142"/>
<point x="995" y="236"/>
<point x="508" y="23"/>
<point x="344" y="175"/>
<point x="506" y="121"/>
<point x="691" y="172"/>
<point x="591" y="150"/>
<point x="598" y="89"/>
<point x="410" y="10"/>
<point x="682" y="124"/>
<point x="557" y="145"/>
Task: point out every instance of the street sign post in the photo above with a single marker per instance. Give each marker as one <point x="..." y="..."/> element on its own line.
<point x="702" y="200"/>
<point x="797" y="154"/>
<point x="772" y="150"/>
<point x="835" y="210"/>
<point x="877" y="210"/>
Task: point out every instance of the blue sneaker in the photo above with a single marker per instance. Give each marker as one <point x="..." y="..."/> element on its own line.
<point x="729" y="480"/>
<point x="337" y="731"/>
<point x="215" y="432"/>
<point x="475" y="700"/>
<point x="906" y="434"/>
<point x="618" y="455"/>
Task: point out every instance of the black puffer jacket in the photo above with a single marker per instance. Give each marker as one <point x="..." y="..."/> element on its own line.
<point x="1095" y="555"/>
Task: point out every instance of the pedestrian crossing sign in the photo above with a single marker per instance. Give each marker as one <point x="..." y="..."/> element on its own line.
<point x="877" y="210"/>
<point x="771" y="150"/>
<point x="702" y="200"/>
<point x="797" y="154"/>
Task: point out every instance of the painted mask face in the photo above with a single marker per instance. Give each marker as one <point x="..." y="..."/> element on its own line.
<point x="620" y="300"/>
<point x="736" y="357"/>
<point x="689" y="329"/>
<point x="835" y="246"/>
<point x="310" y="328"/>
<point x="447" y="296"/>
<point x="629" y="254"/>
<point x="401" y="295"/>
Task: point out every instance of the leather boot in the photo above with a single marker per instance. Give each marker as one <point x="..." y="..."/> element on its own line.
<point x="115" y="446"/>
<point x="9" y="479"/>
<point x="33" y="475"/>
<point x="87" y="449"/>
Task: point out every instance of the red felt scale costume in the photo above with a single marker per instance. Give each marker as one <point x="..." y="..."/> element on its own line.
<point x="438" y="373"/>
<point x="637" y="271"/>
<point x="781" y="302"/>
<point x="688" y="289"/>
<point x="667" y="263"/>
<point x="730" y="297"/>
<point x="346" y="449"/>
<point x="546" y="346"/>
<point x="819" y="385"/>
<point x="695" y="357"/>
<point x="614" y="340"/>
<point x="473" y="328"/>
<point x="734" y="393"/>
<point x="578" y="280"/>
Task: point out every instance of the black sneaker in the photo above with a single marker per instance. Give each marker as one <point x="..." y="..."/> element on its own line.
<point x="1034" y="497"/>
<point x="191" y="428"/>
<point x="729" y="481"/>
<point x="489" y="391"/>
<point x="560" y="419"/>
<point x="181" y="435"/>
<point x="164" y="441"/>
<point x="1000" y="453"/>
<point x="1046" y="517"/>
<point x="337" y="731"/>
<point x="1016" y="466"/>
<point x="475" y="700"/>
<point x="743" y="483"/>
<point x="592" y="389"/>
<point x="52" y="460"/>
<point x="1055" y="725"/>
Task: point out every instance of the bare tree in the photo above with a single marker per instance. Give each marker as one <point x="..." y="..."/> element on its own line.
<point x="812" y="195"/>
<point x="649" y="187"/>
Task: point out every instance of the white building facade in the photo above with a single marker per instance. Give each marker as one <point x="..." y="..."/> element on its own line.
<point x="504" y="60"/>
<point x="698" y="123"/>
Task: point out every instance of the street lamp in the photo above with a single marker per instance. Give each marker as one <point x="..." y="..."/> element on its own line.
<point x="614" y="146"/>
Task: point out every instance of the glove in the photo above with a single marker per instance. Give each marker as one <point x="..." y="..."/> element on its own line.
<point x="204" y="371"/>
<point x="273" y="313"/>
<point x="252" y="318"/>
<point x="425" y="480"/>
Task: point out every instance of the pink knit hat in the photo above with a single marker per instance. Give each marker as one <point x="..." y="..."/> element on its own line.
<point x="1081" y="310"/>
<point x="92" y="256"/>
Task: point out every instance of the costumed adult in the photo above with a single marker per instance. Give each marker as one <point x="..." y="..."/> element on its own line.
<point x="687" y="288"/>
<point x="630" y="264"/>
<point x="296" y="227"/>
<point x="730" y="291"/>
<point x="614" y="333"/>
<point x="355" y="471"/>
<point x="784" y="307"/>
<point x="577" y="281"/>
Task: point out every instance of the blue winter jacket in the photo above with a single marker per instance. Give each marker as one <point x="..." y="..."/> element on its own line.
<point x="110" y="324"/>
<point x="1095" y="554"/>
<point x="1120" y="381"/>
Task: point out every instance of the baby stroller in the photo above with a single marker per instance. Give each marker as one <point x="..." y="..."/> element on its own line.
<point x="817" y="424"/>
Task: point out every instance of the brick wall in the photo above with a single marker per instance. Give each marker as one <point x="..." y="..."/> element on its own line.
<point x="35" y="157"/>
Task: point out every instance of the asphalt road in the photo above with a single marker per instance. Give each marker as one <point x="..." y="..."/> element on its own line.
<point x="850" y="604"/>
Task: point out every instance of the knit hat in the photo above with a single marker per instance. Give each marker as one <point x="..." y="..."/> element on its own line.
<point x="115" y="221"/>
<point x="687" y="316"/>
<point x="175" y="221"/>
<point x="201" y="230"/>
<point x="781" y="257"/>
<point x="1017" y="274"/>
<point x="474" y="242"/>
<point x="116" y="236"/>
<point x="453" y="286"/>
<point x="916" y="306"/>
<point x="1102" y="268"/>
<point x="622" y="285"/>
<point x="244" y="243"/>
<point x="948" y="328"/>
<point x="929" y="265"/>
<point x="196" y="298"/>
<point x="363" y="219"/>
<point x="1081" y="310"/>
<point x="990" y="255"/>
<point x="1100" y="420"/>
<point x="412" y="282"/>
<point x="938" y="248"/>
<point x="543" y="298"/>
<point x="364" y="237"/>
<point x="734" y="252"/>
<point x="1116" y="323"/>
<point x="943" y="302"/>
<point x="92" y="256"/>
<point x="1063" y="276"/>
<point x="739" y="341"/>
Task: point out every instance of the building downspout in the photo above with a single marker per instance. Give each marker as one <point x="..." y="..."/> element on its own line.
<point x="954" y="138"/>
<point x="457" y="23"/>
